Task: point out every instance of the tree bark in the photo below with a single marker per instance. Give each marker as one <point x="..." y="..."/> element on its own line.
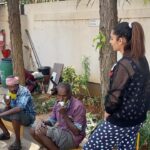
<point x="108" y="19"/>
<point x="16" y="40"/>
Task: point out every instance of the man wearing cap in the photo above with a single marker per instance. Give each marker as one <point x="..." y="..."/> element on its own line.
<point x="19" y="110"/>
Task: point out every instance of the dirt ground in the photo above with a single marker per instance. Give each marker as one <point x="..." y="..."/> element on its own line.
<point x="29" y="144"/>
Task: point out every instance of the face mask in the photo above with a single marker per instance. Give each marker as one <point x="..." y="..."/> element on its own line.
<point x="12" y="95"/>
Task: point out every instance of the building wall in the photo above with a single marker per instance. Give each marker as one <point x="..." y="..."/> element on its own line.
<point x="63" y="33"/>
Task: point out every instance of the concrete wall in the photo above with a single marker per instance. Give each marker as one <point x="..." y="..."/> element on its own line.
<point x="63" y="33"/>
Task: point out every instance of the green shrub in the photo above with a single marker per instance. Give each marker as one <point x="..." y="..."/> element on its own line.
<point x="69" y="76"/>
<point x="145" y="132"/>
<point x="77" y="82"/>
<point x="44" y="106"/>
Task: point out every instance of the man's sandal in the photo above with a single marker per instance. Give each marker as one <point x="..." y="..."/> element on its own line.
<point x="4" y="136"/>
<point x="15" y="146"/>
<point x="42" y="148"/>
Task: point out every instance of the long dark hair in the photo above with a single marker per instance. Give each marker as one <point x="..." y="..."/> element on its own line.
<point x="134" y="35"/>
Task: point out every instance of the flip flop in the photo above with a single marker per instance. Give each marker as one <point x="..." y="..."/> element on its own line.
<point x="4" y="136"/>
<point x="42" y="148"/>
<point x="15" y="146"/>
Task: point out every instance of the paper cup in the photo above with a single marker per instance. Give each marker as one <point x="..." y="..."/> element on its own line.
<point x="7" y="97"/>
<point x="61" y="104"/>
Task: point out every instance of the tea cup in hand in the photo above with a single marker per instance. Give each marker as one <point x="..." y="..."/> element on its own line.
<point x="7" y="99"/>
<point x="62" y="104"/>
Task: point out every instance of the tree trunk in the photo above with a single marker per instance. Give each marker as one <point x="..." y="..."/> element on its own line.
<point x="16" y="40"/>
<point x="108" y="19"/>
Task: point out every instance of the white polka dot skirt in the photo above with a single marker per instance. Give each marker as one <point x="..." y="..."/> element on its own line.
<point x="108" y="136"/>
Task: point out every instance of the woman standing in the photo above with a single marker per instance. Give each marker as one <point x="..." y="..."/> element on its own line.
<point x="125" y="102"/>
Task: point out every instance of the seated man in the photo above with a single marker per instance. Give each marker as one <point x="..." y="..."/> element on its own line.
<point x="65" y="128"/>
<point x="19" y="110"/>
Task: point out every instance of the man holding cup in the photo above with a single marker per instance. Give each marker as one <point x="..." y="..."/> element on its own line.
<point x="65" y="128"/>
<point x="19" y="110"/>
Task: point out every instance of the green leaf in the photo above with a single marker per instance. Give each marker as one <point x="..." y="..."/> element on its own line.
<point x="99" y="41"/>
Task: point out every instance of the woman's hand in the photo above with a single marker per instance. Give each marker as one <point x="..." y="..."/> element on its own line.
<point x="106" y="115"/>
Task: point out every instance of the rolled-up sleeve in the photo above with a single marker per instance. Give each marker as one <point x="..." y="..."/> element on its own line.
<point x="79" y="117"/>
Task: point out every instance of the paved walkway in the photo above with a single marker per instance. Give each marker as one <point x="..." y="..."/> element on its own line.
<point x="26" y="145"/>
